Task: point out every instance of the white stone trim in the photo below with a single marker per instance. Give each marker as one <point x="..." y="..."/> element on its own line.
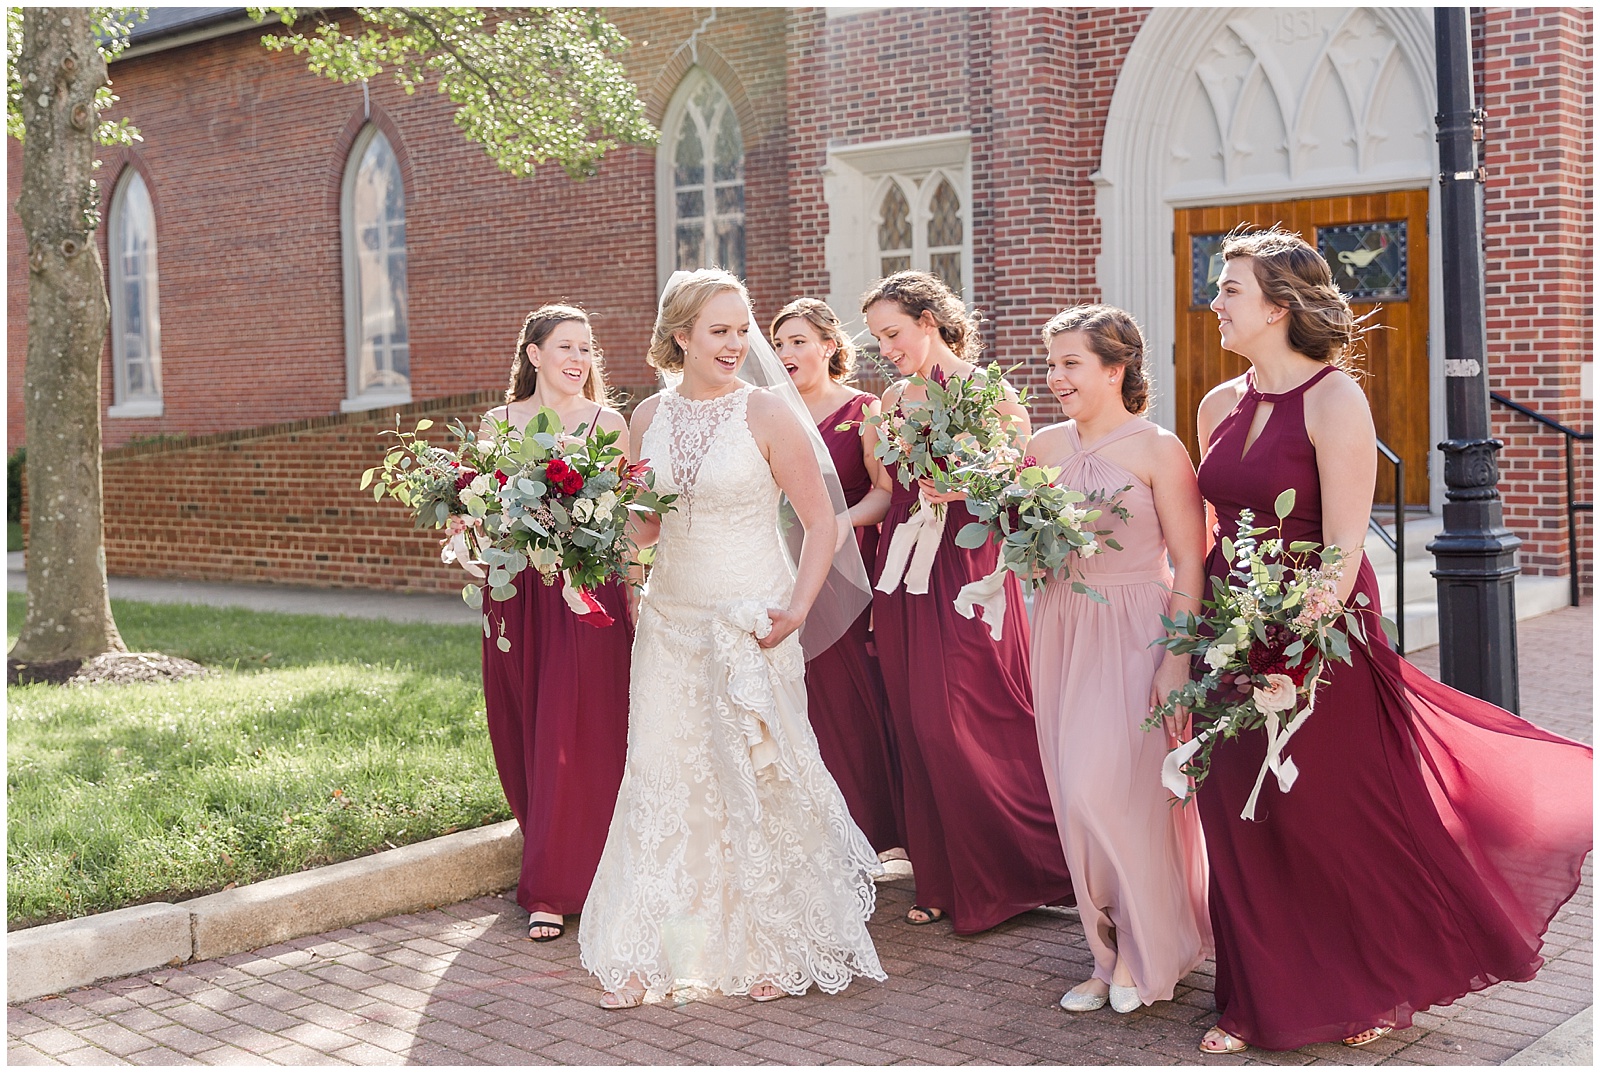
<point x="855" y="180"/>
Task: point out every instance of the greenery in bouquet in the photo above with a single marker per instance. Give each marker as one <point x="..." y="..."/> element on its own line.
<point x="958" y="424"/>
<point x="513" y="499"/>
<point x="1264" y="639"/>
<point x="1039" y="525"/>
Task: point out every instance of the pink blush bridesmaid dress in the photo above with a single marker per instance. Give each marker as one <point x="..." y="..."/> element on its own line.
<point x="1137" y="857"/>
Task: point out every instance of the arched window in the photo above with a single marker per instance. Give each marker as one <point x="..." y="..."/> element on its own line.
<point x="135" y="312"/>
<point x="929" y="237"/>
<point x="377" y="338"/>
<point x="700" y="179"/>
<point x="894" y="231"/>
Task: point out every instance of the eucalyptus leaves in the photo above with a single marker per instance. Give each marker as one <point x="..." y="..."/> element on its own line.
<point x="518" y="498"/>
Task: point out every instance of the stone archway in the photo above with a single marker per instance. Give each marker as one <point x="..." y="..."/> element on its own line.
<point x="1268" y="104"/>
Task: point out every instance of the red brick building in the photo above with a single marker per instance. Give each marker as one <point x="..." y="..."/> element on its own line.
<point x="291" y="261"/>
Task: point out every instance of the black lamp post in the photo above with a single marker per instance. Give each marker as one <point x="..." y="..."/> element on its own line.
<point x="1475" y="554"/>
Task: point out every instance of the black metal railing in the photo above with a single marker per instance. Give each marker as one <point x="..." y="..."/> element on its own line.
<point x="1573" y="506"/>
<point x="1396" y="543"/>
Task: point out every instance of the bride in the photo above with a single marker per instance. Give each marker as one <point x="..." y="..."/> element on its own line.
<point x="731" y="863"/>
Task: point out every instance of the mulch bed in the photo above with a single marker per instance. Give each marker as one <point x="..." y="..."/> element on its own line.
<point x="113" y="668"/>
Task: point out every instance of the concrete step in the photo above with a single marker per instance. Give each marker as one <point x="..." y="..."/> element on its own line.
<point x="1536" y="595"/>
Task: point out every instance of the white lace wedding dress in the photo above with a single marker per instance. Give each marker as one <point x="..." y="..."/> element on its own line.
<point x="731" y="860"/>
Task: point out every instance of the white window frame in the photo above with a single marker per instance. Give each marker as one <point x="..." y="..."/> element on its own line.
<point x="666" y="190"/>
<point x="355" y="399"/>
<point x="855" y="181"/>
<point x="151" y="403"/>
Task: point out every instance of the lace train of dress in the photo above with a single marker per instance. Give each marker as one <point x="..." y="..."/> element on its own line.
<point x="731" y="860"/>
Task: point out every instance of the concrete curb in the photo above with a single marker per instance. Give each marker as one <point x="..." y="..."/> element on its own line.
<point x="441" y="871"/>
<point x="1570" y="1043"/>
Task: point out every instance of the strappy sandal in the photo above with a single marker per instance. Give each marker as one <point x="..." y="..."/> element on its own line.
<point x="1225" y="1042"/>
<point x="559" y="925"/>
<point x="1371" y="1035"/>
<point x="625" y="999"/>
<point x="776" y="993"/>
<point x="933" y="915"/>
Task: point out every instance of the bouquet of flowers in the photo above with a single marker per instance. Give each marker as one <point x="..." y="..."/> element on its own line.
<point x="1265" y="638"/>
<point x="1040" y="527"/>
<point x="520" y="498"/>
<point x="957" y="424"/>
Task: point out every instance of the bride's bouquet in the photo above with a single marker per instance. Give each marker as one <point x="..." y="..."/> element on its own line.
<point x="519" y="498"/>
<point x="1265" y="638"/>
<point x="1040" y="527"/>
<point x="958" y="424"/>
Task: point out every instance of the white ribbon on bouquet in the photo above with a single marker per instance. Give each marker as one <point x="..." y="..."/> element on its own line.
<point x="1283" y="767"/>
<point x="988" y="593"/>
<point x="912" y="548"/>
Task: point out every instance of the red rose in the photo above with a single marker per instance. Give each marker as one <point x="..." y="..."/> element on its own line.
<point x="465" y="479"/>
<point x="501" y="477"/>
<point x="557" y="470"/>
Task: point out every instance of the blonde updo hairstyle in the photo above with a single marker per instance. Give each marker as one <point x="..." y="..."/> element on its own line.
<point x="1294" y="277"/>
<point x="1116" y="340"/>
<point x="820" y="315"/>
<point x="535" y="330"/>
<point x="917" y="292"/>
<point x="681" y="305"/>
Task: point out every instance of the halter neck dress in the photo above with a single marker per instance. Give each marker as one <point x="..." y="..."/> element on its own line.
<point x="1137" y="856"/>
<point x="1429" y="839"/>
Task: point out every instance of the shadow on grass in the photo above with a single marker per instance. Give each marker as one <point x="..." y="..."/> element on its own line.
<point x="317" y="739"/>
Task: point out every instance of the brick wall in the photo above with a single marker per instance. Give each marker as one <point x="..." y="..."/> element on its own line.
<point x="280" y="503"/>
<point x="244" y="151"/>
<point x="1535" y="78"/>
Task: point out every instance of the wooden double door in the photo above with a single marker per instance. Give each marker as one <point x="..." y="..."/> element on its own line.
<point x="1377" y="246"/>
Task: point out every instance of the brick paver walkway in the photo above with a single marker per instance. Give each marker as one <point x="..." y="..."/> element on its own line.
<point x="461" y="985"/>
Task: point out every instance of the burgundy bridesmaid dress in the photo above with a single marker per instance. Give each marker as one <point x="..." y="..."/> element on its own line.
<point x="1428" y="841"/>
<point x="557" y="707"/>
<point x="844" y="687"/>
<point x="979" y="828"/>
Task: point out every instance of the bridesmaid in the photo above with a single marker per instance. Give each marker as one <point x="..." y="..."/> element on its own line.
<point x="979" y="830"/>
<point x="1137" y="861"/>
<point x="1430" y="836"/>
<point x="848" y="709"/>
<point x="557" y="702"/>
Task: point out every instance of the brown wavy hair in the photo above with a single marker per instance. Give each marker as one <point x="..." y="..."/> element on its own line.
<point x="535" y="330"/>
<point x="1116" y="340"/>
<point x="821" y="316"/>
<point x="916" y="292"/>
<point x="1293" y="276"/>
<point x="680" y="308"/>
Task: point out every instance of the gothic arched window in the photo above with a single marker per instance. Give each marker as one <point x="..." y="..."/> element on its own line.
<point x="135" y="311"/>
<point x="377" y="336"/>
<point x="702" y="179"/>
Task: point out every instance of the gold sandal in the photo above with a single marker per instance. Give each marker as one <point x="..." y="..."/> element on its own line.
<point x="1371" y="1035"/>
<point x="1226" y="1042"/>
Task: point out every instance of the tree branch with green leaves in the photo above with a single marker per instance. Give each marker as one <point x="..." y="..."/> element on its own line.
<point x="530" y="85"/>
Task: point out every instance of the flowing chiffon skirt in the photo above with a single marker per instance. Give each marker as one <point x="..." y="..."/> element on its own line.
<point x="979" y="829"/>
<point x="557" y="708"/>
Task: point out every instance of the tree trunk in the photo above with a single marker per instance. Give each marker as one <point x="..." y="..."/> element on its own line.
<point x="69" y="612"/>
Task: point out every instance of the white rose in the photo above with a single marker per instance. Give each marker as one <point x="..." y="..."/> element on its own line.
<point x="1089" y="549"/>
<point x="582" y="509"/>
<point x="1217" y="656"/>
<point x="482" y="484"/>
<point x="606" y="503"/>
<point x="1278" y="696"/>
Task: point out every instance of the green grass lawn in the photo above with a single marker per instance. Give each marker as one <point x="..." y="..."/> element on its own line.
<point x="316" y="740"/>
<point x="13" y="536"/>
